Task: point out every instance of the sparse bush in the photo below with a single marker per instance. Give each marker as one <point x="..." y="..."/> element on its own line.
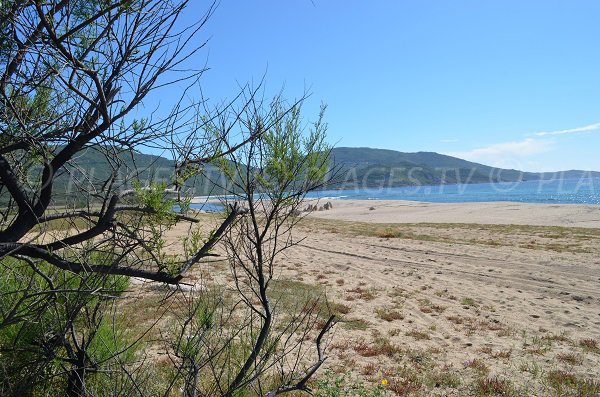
<point x="389" y="314"/>
<point x="344" y="386"/>
<point x="494" y="386"/>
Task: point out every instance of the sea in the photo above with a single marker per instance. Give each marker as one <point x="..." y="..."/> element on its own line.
<point x="557" y="191"/>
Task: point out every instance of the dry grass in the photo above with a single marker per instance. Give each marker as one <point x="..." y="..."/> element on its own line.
<point x="493" y="386"/>
<point x="389" y="314"/>
<point x="380" y="346"/>
<point x="561" y="380"/>
<point x="404" y="386"/>
<point x="590" y="345"/>
<point x="569" y="358"/>
<point x="418" y="335"/>
<point x="478" y="365"/>
<point x="363" y="293"/>
<point x="546" y="238"/>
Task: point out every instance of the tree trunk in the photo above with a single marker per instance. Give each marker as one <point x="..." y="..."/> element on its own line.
<point x="76" y="384"/>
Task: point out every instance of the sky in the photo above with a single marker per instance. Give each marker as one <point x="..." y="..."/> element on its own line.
<point x="506" y="83"/>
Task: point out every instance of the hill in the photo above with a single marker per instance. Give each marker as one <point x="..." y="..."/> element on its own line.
<point x="357" y="168"/>
<point x="370" y="168"/>
<point x="90" y="170"/>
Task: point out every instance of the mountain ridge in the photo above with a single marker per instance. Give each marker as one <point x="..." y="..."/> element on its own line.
<point x="371" y="167"/>
<point x="361" y="167"/>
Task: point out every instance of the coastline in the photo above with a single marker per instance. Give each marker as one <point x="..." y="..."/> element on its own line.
<point x="499" y="213"/>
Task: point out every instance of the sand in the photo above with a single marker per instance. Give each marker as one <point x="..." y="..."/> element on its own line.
<point x="501" y="213"/>
<point x="441" y="298"/>
<point x="515" y="303"/>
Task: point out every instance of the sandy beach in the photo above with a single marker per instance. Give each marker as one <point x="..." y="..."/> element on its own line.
<point x="500" y="213"/>
<point x="452" y="294"/>
<point x="455" y="299"/>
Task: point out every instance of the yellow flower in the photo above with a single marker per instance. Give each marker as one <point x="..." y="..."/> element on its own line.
<point x="384" y="381"/>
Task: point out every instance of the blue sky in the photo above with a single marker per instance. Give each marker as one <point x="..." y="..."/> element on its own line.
<point x="507" y="83"/>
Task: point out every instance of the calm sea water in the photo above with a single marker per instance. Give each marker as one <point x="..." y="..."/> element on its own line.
<point x="565" y="191"/>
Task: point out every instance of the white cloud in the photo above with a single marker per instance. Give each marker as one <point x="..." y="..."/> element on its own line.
<point x="503" y="153"/>
<point x="587" y="128"/>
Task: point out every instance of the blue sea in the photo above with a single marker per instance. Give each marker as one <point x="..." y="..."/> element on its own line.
<point x="564" y="191"/>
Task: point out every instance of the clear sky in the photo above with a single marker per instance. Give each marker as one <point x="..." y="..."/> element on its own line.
<point x="512" y="83"/>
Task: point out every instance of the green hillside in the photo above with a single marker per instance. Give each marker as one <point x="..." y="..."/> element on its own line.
<point x="356" y="168"/>
<point x="369" y="168"/>
<point x="92" y="168"/>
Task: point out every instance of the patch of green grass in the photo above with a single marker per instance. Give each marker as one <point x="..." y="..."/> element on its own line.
<point x="466" y="301"/>
<point x="355" y="324"/>
<point x="291" y="297"/>
<point x="339" y="309"/>
<point x="329" y="385"/>
<point x="537" y="345"/>
<point x="442" y="378"/>
<point x="561" y="337"/>
<point x="561" y="380"/>
<point x="418" y="335"/>
<point x="389" y="315"/>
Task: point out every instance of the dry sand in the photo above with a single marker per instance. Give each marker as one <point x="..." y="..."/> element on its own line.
<point x="516" y="303"/>
<point x="441" y="298"/>
<point x="500" y="213"/>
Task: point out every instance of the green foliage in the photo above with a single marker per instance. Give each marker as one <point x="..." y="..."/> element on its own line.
<point x="111" y="342"/>
<point x="153" y="197"/>
<point x="293" y="161"/>
<point x="44" y="313"/>
<point x="342" y="386"/>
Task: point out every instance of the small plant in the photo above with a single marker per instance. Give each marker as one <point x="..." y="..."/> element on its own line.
<point x="569" y="358"/>
<point x="418" y="335"/>
<point x="561" y="380"/>
<point x="494" y="386"/>
<point x="486" y="350"/>
<point x="531" y="367"/>
<point x="590" y="345"/>
<point x="455" y="319"/>
<point x="404" y="386"/>
<point x="389" y="314"/>
<point x="343" y="386"/>
<point x="339" y="308"/>
<point x="562" y="337"/>
<point x="381" y="346"/>
<point x="537" y="346"/>
<point x="468" y="302"/>
<point x="364" y="294"/>
<point x="502" y="354"/>
<point x="505" y="332"/>
<point x="355" y="324"/>
<point x="370" y="369"/>
<point x="443" y="379"/>
<point x="478" y="365"/>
